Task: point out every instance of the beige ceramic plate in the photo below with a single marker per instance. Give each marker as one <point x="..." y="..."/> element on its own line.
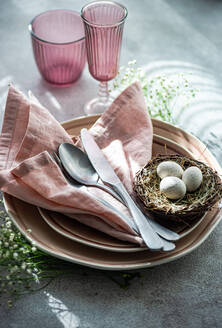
<point x="74" y="230"/>
<point x="26" y="216"/>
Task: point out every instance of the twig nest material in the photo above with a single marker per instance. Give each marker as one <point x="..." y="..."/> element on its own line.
<point x="192" y="206"/>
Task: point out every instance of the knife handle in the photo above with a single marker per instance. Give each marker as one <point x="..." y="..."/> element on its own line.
<point x="150" y="237"/>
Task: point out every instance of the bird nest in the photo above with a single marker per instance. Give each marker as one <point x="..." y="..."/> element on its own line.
<point x="186" y="210"/>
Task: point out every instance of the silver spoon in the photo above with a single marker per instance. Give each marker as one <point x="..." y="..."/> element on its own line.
<point x="76" y="161"/>
<point x="75" y="184"/>
<point x="77" y="164"/>
<point x="167" y="246"/>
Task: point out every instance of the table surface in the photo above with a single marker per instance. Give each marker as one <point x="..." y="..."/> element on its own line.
<point x="164" y="36"/>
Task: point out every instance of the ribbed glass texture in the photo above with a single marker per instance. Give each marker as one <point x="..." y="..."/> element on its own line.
<point x="58" y="41"/>
<point x="103" y="21"/>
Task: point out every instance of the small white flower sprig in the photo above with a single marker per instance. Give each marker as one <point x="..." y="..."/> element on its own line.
<point x="22" y="264"/>
<point x="162" y="93"/>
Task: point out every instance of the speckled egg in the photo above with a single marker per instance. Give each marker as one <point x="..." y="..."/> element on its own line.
<point x="173" y="187"/>
<point x="192" y="177"/>
<point x="169" y="168"/>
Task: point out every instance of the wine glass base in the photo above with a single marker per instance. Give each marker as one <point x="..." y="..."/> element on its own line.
<point x="95" y="106"/>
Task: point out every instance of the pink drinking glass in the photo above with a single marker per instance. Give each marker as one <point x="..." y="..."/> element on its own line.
<point x="58" y="41"/>
<point x="103" y="22"/>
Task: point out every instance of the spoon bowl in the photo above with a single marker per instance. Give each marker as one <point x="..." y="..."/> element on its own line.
<point x="77" y="164"/>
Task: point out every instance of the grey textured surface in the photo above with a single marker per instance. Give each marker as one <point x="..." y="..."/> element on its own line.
<point x="164" y="36"/>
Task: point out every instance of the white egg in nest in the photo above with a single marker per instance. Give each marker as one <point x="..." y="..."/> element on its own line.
<point x="192" y="177"/>
<point x="173" y="187"/>
<point x="169" y="168"/>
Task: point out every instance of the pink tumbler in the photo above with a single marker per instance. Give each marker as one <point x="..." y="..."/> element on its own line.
<point x="58" y="42"/>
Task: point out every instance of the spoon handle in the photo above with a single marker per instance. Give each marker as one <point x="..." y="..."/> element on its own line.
<point x="109" y="190"/>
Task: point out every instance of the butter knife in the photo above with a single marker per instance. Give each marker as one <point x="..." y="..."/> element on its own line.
<point x="108" y="176"/>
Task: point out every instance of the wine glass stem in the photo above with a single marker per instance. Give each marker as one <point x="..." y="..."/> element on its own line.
<point x="103" y="93"/>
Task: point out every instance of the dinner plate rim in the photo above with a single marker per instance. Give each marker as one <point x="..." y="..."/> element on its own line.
<point x="113" y="267"/>
<point x="84" y="241"/>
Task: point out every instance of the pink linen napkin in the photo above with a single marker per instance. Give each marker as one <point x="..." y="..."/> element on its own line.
<point x="29" y="133"/>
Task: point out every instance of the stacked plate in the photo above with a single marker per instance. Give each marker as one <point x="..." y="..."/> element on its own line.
<point x="69" y="240"/>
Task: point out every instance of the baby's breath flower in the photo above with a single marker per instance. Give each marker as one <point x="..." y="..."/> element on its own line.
<point x="23" y="266"/>
<point x="161" y="92"/>
<point x="15" y="255"/>
<point x="11" y="237"/>
<point x="132" y="62"/>
<point x="8" y="224"/>
<point x="29" y="271"/>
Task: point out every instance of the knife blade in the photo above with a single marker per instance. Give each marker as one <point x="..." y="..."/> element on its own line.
<point x="108" y="176"/>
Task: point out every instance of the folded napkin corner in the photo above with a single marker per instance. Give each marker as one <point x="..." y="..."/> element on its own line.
<point x="30" y="133"/>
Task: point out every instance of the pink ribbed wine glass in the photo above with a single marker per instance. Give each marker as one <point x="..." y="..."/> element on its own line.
<point x="103" y="22"/>
<point x="58" y="41"/>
